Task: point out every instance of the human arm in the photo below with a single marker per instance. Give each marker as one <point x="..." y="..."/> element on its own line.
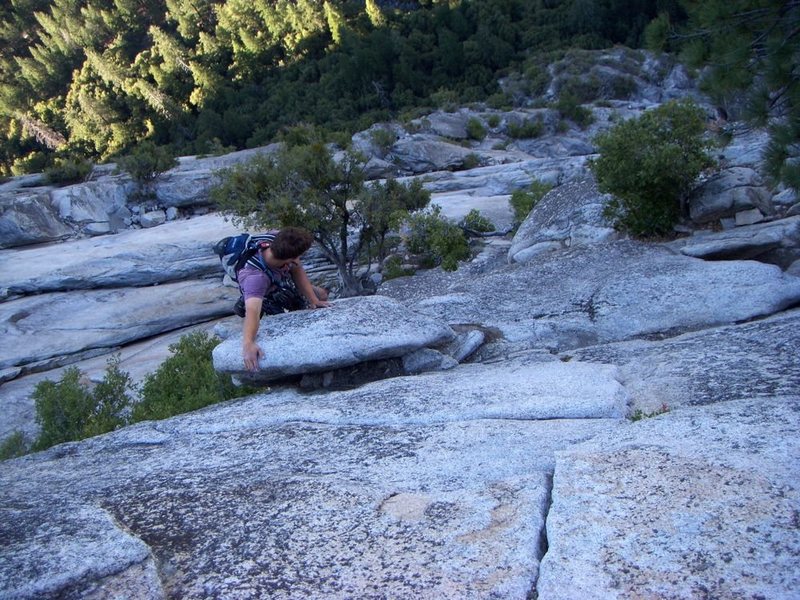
<point x="303" y="284"/>
<point x="251" y="351"/>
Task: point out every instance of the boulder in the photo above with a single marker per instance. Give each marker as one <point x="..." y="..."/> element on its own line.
<point x="720" y="364"/>
<point x="48" y="330"/>
<point x="699" y="502"/>
<point x="390" y="489"/>
<point x="758" y="242"/>
<point x="29" y="217"/>
<point x="351" y="331"/>
<point x="729" y="192"/>
<point x="601" y="293"/>
<point x="569" y="215"/>
<point x="418" y="154"/>
<point x="174" y="251"/>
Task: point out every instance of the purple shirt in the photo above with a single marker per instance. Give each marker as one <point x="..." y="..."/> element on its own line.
<point x="254" y="283"/>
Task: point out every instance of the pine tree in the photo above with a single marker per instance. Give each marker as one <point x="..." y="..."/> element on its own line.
<point x="753" y="47"/>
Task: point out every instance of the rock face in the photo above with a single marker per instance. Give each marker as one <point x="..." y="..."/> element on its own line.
<point x="680" y="507"/>
<point x="350" y="332"/>
<point x="513" y="463"/>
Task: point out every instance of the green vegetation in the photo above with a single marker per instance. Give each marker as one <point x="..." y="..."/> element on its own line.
<point x="530" y="128"/>
<point x="649" y="164"/>
<point x="68" y="170"/>
<point x="436" y="240"/>
<point x="475" y="129"/>
<point x="14" y="446"/>
<point x="146" y="163"/>
<point x="639" y="414"/>
<point x="186" y="381"/>
<point x="523" y="201"/>
<point x="474" y="221"/>
<point x="751" y="47"/>
<point x="73" y="409"/>
<point x="94" y="79"/>
<point x="305" y="187"/>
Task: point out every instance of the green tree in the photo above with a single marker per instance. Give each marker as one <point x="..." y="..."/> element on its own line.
<point x="72" y="409"/>
<point x="305" y="186"/>
<point x="146" y="163"/>
<point x="650" y="164"/>
<point x="753" y="48"/>
<point x="186" y="381"/>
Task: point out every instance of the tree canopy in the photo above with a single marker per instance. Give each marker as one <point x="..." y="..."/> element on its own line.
<point x="96" y="77"/>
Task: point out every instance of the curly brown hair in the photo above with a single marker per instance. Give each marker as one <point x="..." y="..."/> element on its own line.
<point x="291" y="242"/>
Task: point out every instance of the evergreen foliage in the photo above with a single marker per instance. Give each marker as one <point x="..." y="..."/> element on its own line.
<point x="650" y="164"/>
<point x="304" y="186"/>
<point x="436" y="240"/>
<point x="72" y="409"/>
<point x="753" y="47"/>
<point x="186" y="381"/>
<point x="98" y="77"/>
<point x="523" y="201"/>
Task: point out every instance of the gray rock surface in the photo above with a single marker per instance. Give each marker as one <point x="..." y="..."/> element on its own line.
<point x="40" y="331"/>
<point x="729" y="192"/>
<point x="604" y="293"/>
<point x="351" y="331"/>
<point x="702" y="502"/>
<point x="751" y="360"/>
<point x="284" y="494"/>
<point x="569" y="215"/>
<point x="777" y="242"/>
<point x="174" y="251"/>
<point x="436" y="485"/>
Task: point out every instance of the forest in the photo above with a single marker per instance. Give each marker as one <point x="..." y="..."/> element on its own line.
<point x="91" y="79"/>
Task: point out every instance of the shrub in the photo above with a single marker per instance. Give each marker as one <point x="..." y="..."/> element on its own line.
<point x="436" y="240"/>
<point x="523" y="201"/>
<point x="184" y="382"/>
<point x="475" y="129"/>
<point x="71" y="410"/>
<point x="530" y="128"/>
<point x="470" y="161"/>
<point x="393" y="268"/>
<point x="569" y="107"/>
<point x="146" y="163"/>
<point x="649" y="164"/>
<point x="475" y="221"/>
<point x="14" y="445"/>
<point x="68" y="170"/>
<point x="493" y="121"/>
<point x="383" y="137"/>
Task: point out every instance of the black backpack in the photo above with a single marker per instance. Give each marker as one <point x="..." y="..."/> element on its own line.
<point x="234" y="252"/>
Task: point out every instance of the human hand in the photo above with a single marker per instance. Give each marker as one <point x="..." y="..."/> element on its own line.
<point x="320" y="304"/>
<point x="252" y="353"/>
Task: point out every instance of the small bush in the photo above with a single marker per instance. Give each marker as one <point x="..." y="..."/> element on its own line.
<point x="475" y="221"/>
<point x="68" y="170"/>
<point x="475" y="129"/>
<point x="14" y="446"/>
<point x="470" y="161"/>
<point x="184" y="382"/>
<point x="383" y="137"/>
<point x="436" y="240"/>
<point x="72" y="410"/>
<point x="650" y="164"/>
<point x="530" y="128"/>
<point x="147" y="162"/>
<point x="493" y="121"/>
<point x="393" y="268"/>
<point x="569" y="107"/>
<point x="523" y="201"/>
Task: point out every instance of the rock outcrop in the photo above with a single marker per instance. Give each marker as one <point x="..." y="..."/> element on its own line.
<point x="568" y="414"/>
